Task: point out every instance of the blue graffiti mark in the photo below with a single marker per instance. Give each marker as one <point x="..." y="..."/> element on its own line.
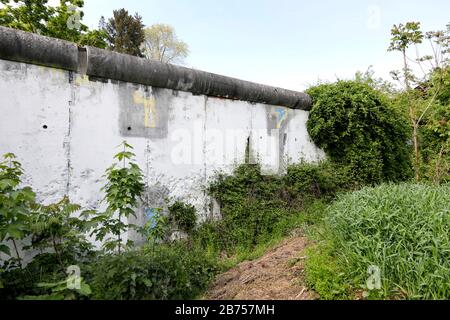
<point x="151" y="214"/>
<point x="281" y="115"/>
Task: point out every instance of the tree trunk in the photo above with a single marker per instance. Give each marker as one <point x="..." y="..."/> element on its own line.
<point x="416" y="152"/>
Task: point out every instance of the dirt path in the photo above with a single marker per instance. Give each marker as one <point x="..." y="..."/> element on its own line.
<point x="278" y="275"/>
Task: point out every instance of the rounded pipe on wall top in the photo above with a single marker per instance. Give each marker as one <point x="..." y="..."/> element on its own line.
<point x="31" y="48"/>
<point x="113" y="65"/>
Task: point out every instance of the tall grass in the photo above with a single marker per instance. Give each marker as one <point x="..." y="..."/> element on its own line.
<point x="401" y="229"/>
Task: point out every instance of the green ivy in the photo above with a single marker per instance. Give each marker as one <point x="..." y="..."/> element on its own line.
<point x="184" y="216"/>
<point x="357" y="127"/>
<point x="253" y="204"/>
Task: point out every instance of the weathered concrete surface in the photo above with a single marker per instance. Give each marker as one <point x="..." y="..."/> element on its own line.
<point x="65" y="130"/>
<point x="31" y="48"/>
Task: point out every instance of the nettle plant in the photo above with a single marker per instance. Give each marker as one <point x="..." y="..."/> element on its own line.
<point x="15" y="206"/>
<point x="57" y="227"/>
<point x="123" y="191"/>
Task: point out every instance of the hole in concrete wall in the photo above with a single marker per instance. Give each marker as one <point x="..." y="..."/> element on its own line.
<point x="129" y="128"/>
<point x="45" y="127"/>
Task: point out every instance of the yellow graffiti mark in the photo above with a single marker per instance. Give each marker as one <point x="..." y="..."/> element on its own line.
<point x="281" y="115"/>
<point x="81" y="79"/>
<point x="48" y="70"/>
<point x="149" y="104"/>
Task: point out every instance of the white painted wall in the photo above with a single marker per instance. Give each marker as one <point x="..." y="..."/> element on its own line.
<point x="180" y="140"/>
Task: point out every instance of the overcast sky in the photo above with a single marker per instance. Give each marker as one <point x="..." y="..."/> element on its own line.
<point x="284" y="43"/>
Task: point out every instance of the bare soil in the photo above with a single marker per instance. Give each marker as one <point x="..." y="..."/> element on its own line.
<point x="278" y="275"/>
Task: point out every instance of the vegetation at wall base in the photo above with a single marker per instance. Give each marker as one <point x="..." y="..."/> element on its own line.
<point x="401" y="230"/>
<point x="163" y="269"/>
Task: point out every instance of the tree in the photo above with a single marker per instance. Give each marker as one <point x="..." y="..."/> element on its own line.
<point x="418" y="105"/>
<point x="62" y="22"/>
<point x="161" y="43"/>
<point x="368" y="77"/>
<point x="26" y="15"/>
<point x="66" y="24"/>
<point x="125" y="33"/>
<point x="123" y="191"/>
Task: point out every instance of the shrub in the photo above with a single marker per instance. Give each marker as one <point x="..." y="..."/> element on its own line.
<point x="253" y="205"/>
<point x="435" y="144"/>
<point x="356" y="126"/>
<point x="304" y="181"/>
<point x="159" y="272"/>
<point x="400" y="229"/>
<point x="183" y="215"/>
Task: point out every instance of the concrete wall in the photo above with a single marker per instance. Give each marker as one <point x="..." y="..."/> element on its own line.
<point x="65" y="127"/>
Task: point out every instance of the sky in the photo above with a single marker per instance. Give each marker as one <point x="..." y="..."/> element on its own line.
<point x="285" y="43"/>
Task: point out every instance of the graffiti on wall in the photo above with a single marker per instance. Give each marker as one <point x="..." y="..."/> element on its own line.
<point x="144" y="112"/>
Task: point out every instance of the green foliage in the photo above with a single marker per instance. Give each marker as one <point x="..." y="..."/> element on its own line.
<point x="123" y="191"/>
<point x="254" y="205"/>
<point x="358" y="128"/>
<point x="15" y="205"/>
<point x="93" y="38"/>
<point x="423" y="95"/>
<point x="62" y="290"/>
<point x="404" y="35"/>
<point x="159" y="271"/>
<point x="51" y="229"/>
<point x="55" y="227"/>
<point x="162" y="272"/>
<point x="306" y="181"/>
<point x="324" y="274"/>
<point x="157" y="228"/>
<point x="26" y="15"/>
<point x="250" y="205"/>
<point x="184" y="216"/>
<point x="379" y="84"/>
<point x="62" y="22"/>
<point x="124" y="32"/>
<point x="435" y="129"/>
<point x="401" y="229"/>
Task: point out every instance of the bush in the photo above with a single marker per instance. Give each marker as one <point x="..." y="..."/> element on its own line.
<point x="184" y="216"/>
<point x="304" y="181"/>
<point x="253" y="204"/>
<point x="400" y="229"/>
<point x="435" y="144"/>
<point x="356" y="126"/>
<point x="159" y="272"/>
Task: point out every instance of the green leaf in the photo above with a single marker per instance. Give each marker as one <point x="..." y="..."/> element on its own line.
<point x="85" y="289"/>
<point x="5" y="249"/>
